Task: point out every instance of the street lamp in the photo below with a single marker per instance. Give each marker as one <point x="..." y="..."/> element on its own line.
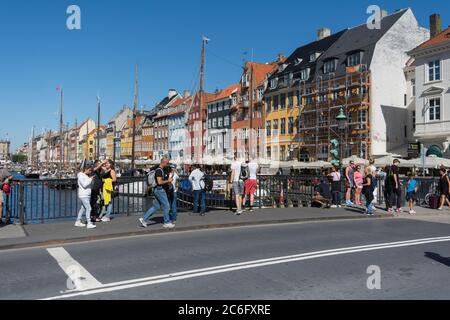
<point x="341" y="120"/>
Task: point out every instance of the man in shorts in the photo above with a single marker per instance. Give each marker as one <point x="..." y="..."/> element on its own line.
<point x="238" y="184"/>
<point x="251" y="184"/>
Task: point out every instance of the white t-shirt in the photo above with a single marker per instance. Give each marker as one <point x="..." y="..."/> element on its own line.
<point x="236" y="169"/>
<point x="195" y="178"/>
<point x="175" y="178"/>
<point x="253" y="168"/>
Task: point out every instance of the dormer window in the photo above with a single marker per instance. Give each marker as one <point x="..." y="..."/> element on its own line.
<point x="313" y="56"/>
<point x="273" y="83"/>
<point x="282" y="67"/>
<point x="329" y="66"/>
<point x="304" y="74"/>
<point x="298" y="61"/>
<point x="354" y="58"/>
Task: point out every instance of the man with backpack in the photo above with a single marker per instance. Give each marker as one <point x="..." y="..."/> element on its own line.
<point x="160" y="181"/>
<point x="251" y="183"/>
<point x="197" y="179"/>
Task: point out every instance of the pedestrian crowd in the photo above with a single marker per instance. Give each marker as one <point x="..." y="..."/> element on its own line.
<point x="97" y="187"/>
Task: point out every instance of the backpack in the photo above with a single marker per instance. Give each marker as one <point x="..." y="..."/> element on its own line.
<point x="245" y="173"/>
<point x="208" y="183"/>
<point x="151" y="179"/>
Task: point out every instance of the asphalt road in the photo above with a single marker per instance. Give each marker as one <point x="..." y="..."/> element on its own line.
<point x="226" y="264"/>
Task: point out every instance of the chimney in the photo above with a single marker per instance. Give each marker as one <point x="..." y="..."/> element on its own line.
<point x="186" y="94"/>
<point x="323" y="33"/>
<point x="172" y="93"/>
<point x="281" y="57"/>
<point x="435" y="25"/>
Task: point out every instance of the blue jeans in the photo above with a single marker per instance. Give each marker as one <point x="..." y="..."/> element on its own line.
<point x="161" y="200"/>
<point x="85" y="209"/>
<point x="199" y="200"/>
<point x="174" y="207"/>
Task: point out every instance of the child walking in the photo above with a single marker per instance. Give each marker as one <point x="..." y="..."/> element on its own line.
<point x="411" y="191"/>
<point x="84" y="194"/>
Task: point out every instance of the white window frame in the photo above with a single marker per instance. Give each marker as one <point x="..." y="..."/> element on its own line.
<point x="429" y="120"/>
<point x="427" y="71"/>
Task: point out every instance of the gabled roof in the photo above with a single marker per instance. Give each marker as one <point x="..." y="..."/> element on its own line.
<point x="359" y="38"/>
<point x="226" y="93"/>
<point x="441" y="38"/>
<point x="262" y="70"/>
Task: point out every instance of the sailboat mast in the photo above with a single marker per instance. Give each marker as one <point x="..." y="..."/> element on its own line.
<point x="61" y="146"/>
<point x="202" y="75"/>
<point x="98" y="128"/>
<point x="133" y="144"/>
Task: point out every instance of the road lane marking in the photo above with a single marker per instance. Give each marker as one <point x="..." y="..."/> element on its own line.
<point x="79" y="278"/>
<point x="130" y="284"/>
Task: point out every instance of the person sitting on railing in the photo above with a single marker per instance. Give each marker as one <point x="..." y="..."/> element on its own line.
<point x="322" y="196"/>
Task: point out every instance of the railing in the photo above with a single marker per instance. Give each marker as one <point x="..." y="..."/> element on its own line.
<point x="38" y="201"/>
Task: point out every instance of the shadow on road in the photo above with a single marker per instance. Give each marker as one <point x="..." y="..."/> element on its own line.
<point x="438" y="258"/>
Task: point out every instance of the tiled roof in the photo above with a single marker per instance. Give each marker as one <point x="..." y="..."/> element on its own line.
<point x="226" y="92"/>
<point x="441" y="38"/>
<point x="261" y="70"/>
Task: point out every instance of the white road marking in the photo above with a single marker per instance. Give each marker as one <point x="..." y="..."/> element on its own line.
<point x="123" y="285"/>
<point x="80" y="278"/>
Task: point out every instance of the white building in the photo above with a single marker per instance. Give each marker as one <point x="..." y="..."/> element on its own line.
<point x="432" y="93"/>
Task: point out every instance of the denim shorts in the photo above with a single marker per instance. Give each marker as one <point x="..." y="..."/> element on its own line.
<point x="238" y="188"/>
<point x="410" y="196"/>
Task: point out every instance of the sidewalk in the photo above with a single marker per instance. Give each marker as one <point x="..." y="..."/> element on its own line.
<point x="16" y="237"/>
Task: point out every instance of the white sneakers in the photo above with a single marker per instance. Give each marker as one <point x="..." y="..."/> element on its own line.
<point x="169" y="226"/>
<point x="106" y="219"/>
<point x="412" y="212"/>
<point x="143" y="223"/>
<point x="80" y="224"/>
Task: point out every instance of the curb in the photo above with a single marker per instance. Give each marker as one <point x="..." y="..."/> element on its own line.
<point x="59" y="242"/>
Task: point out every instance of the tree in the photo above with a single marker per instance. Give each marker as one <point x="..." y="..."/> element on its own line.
<point x="19" y="158"/>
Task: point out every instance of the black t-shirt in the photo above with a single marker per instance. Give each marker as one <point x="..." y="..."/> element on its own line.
<point x="97" y="184"/>
<point x="162" y="174"/>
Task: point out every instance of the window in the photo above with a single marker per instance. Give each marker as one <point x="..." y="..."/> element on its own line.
<point x="214" y="123"/>
<point x="291" y="125"/>
<point x="413" y="86"/>
<point x="220" y="106"/>
<point x="273" y="83"/>
<point x="268" y="104"/>
<point x="283" y="153"/>
<point x="283" y="126"/>
<point x="220" y="122"/>
<point x="226" y="105"/>
<point x="226" y="121"/>
<point x="354" y="59"/>
<point x="269" y="128"/>
<point x="275" y="127"/>
<point x="260" y="93"/>
<point x="435" y="109"/>
<point x="209" y="124"/>
<point x="283" y="101"/>
<point x="434" y="70"/>
<point x="269" y="152"/>
<point x="299" y="122"/>
<point x="290" y="99"/>
<point x="414" y="120"/>
<point x="329" y="66"/>
<point x="312" y="57"/>
<point x="275" y="103"/>
<point x="362" y="120"/>
<point x="304" y="74"/>
<point x="275" y="153"/>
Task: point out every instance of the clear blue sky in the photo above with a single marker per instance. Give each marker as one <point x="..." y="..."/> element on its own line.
<point x="38" y="52"/>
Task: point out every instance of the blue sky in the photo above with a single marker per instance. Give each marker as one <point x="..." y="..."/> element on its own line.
<point x="38" y="52"/>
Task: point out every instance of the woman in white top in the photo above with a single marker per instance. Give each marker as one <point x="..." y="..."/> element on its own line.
<point x="84" y="194"/>
<point x="336" y="187"/>
<point x="173" y="206"/>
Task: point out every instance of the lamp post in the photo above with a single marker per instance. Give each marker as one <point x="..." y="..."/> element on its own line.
<point x="341" y="120"/>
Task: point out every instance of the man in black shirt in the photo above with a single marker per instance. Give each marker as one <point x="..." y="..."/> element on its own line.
<point x="163" y="183"/>
<point x="395" y="187"/>
<point x="97" y="186"/>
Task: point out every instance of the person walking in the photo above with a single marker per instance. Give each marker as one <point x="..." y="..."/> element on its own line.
<point x="109" y="184"/>
<point x="197" y="179"/>
<point x="5" y="192"/>
<point x="396" y="187"/>
<point x="238" y="184"/>
<point x="368" y="186"/>
<point x="444" y="188"/>
<point x="97" y="186"/>
<point x="335" y="187"/>
<point x="349" y="183"/>
<point x="84" y="194"/>
<point x="173" y="201"/>
<point x="251" y="184"/>
<point x="411" y="191"/>
<point x="359" y="181"/>
<point x="162" y="181"/>
<point x="375" y="190"/>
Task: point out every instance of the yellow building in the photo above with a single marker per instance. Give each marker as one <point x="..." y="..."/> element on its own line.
<point x="282" y="116"/>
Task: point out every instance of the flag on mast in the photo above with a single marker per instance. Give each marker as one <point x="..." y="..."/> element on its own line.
<point x="206" y="40"/>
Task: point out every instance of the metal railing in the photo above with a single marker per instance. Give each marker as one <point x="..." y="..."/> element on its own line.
<point x="38" y="201"/>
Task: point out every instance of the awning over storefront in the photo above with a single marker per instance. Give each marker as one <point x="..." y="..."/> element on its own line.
<point x="434" y="151"/>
